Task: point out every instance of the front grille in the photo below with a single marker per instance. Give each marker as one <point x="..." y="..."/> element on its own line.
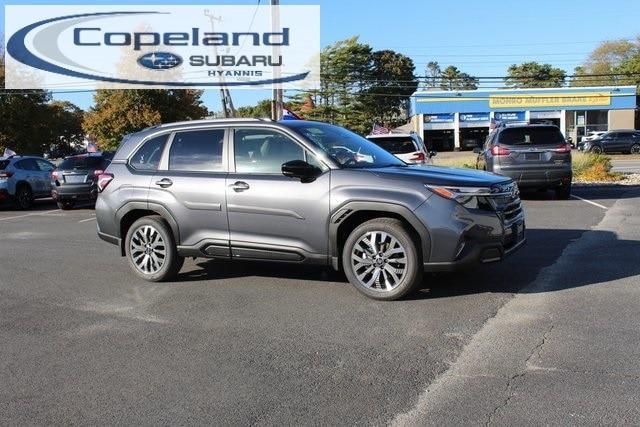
<point x="506" y="202"/>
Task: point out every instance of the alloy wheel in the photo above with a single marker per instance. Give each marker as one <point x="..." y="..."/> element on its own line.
<point x="148" y="250"/>
<point x="379" y="261"/>
<point x="635" y="149"/>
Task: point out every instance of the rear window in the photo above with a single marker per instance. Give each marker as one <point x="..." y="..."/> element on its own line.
<point x="84" y="162"/>
<point x="4" y="164"/>
<point x="531" y="136"/>
<point x="396" y="145"/>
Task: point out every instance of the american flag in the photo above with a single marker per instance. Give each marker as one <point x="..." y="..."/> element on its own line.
<point x="379" y="130"/>
<point x="9" y="153"/>
<point x="92" y="148"/>
<point x="494" y="124"/>
<point x="290" y="115"/>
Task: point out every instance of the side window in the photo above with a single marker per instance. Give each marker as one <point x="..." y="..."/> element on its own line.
<point x="44" y="166"/>
<point x="27" y="165"/>
<point x="197" y="151"/>
<point x="263" y="151"/>
<point x="147" y="158"/>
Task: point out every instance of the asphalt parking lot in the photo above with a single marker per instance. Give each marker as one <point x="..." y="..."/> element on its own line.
<point x="84" y="341"/>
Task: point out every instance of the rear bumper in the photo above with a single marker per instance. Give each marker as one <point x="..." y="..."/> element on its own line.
<point x="76" y="192"/>
<point x="537" y="178"/>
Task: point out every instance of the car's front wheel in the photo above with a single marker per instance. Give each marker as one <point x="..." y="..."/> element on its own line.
<point x="382" y="260"/>
<point x="151" y="250"/>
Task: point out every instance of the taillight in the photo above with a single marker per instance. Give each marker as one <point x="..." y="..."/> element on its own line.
<point x="98" y="172"/>
<point x="418" y="157"/>
<point x="5" y="175"/>
<point x="55" y="175"/>
<point x="103" y="180"/>
<point x="564" y="148"/>
<point x="497" y="150"/>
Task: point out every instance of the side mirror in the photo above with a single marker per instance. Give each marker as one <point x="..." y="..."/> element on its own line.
<point x="301" y="170"/>
<point x="477" y="150"/>
<point x="433" y="153"/>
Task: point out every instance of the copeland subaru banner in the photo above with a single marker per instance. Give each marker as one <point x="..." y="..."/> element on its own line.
<point x="162" y="46"/>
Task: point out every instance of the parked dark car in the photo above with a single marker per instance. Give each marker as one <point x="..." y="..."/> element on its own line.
<point x="299" y="192"/>
<point x="76" y="178"/>
<point x="619" y="141"/>
<point x="534" y="155"/>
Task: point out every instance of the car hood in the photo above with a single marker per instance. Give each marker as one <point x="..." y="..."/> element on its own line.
<point x="440" y="175"/>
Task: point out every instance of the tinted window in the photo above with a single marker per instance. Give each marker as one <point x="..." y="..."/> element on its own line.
<point x="148" y="156"/>
<point x="531" y="136"/>
<point x="344" y="147"/>
<point x="624" y="135"/>
<point x="396" y="145"/>
<point x="44" y="166"/>
<point x="197" y="151"/>
<point x="82" y="163"/>
<point x="27" y="164"/>
<point x="4" y="164"/>
<point x="263" y="150"/>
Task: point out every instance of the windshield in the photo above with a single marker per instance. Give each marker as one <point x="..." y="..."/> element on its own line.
<point x="83" y="162"/>
<point x="396" y="144"/>
<point x="344" y="147"/>
<point x="540" y="135"/>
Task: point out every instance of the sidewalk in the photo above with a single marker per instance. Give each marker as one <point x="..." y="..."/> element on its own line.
<point x="566" y="350"/>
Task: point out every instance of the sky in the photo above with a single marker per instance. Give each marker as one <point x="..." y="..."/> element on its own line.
<point x="481" y="38"/>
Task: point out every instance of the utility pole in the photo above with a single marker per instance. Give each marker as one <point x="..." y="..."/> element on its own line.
<point x="276" y="102"/>
<point x="225" y="96"/>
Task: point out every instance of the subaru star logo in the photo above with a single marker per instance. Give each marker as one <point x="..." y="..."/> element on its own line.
<point x="159" y="60"/>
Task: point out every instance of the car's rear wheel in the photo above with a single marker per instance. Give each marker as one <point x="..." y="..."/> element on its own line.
<point x="596" y="149"/>
<point x="151" y="250"/>
<point x="381" y="260"/>
<point x="563" y="192"/>
<point x="65" y="205"/>
<point x="635" y="149"/>
<point x="24" y="197"/>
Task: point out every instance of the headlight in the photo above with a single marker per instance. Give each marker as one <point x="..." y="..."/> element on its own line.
<point x="460" y="194"/>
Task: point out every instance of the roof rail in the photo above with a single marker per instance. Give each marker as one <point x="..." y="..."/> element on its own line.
<point x="213" y="120"/>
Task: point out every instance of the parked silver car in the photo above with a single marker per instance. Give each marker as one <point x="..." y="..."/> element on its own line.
<point x="408" y="147"/>
<point x="299" y="192"/>
<point x="23" y="179"/>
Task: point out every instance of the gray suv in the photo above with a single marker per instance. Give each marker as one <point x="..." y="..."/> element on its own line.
<point x="534" y="155"/>
<point x="299" y="192"/>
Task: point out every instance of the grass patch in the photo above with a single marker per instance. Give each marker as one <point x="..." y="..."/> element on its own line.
<point x="593" y="167"/>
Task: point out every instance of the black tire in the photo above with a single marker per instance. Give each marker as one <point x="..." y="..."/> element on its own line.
<point x="413" y="270"/>
<point x="171" y="263"/>
<point x="65" y="205"/>
<point x="635" y="149"/>
<point x="24" y="197"/>
<point x="563" y="192"/>
<point x="596" y="149"/>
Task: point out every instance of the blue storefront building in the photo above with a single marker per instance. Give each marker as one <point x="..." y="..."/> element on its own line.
<point x="450" y="120"/>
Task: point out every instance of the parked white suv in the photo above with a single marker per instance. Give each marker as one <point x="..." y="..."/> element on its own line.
<point x="408" y="147"/>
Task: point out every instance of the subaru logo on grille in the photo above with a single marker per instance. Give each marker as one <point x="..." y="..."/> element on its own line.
<point x="159" y="60"/>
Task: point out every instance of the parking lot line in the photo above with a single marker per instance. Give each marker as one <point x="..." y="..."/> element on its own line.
<point x="31" y="214"/>
<point x="87" y="219"/>
<point x="590" y="202"/>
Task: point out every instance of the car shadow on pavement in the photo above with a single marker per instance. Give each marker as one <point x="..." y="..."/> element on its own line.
<point x="544" y="247"/>
<point x="513" y="275"/>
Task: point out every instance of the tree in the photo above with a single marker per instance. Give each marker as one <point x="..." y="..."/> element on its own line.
<point x="260" y="110"/>
<point x="64" y="121"/>
<point x="432" y="76"/>
<point x="603" y="63"/>
<point x="119" y="112"/>
<point x="392" y="83"/>
<point x="454" y="79"/>
<point x="534" y="74"/>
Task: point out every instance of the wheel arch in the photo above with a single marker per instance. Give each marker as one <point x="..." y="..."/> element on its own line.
<point x="346" y="218"/>
<point x="133" y="211"/>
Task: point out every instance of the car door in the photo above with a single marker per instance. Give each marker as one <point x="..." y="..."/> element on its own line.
<point x="272" y="216"/>
<point x="45" y="169"/>
<point x="623" y="141"/>
<point x="608" y="142"/>
<point x="190" y="184"/>
<point x="31" y="173"/>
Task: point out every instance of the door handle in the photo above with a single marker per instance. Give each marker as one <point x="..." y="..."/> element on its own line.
<point x="164" y="183"/>
<point x="239" y="186"/>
